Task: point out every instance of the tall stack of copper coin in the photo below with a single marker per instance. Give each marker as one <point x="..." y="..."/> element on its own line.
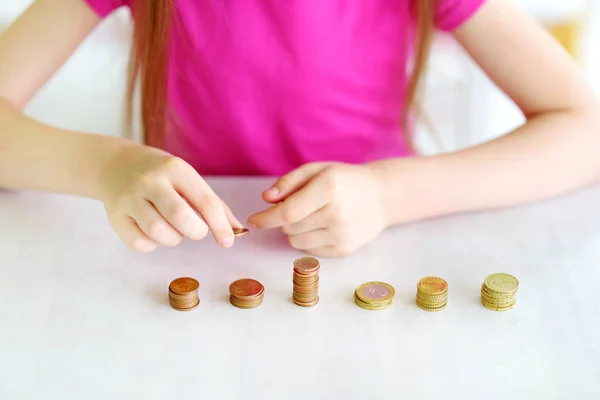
<point x="306" y="281"/>
<point x="246" y="293"/>
<point x="183" y="294"/>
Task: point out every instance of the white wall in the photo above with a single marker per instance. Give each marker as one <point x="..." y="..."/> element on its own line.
<point x="88" y="92"/>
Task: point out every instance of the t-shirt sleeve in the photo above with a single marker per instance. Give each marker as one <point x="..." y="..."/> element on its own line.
<point x="105" y="7"/>
<point x="451" y="14"/>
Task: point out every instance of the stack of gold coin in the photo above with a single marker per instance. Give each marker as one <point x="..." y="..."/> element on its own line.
<point x="246" y="293"/>
<point x="374" y="295"/>
<point x="432" y="293"/>
<point x="499" y="291"/>
<point x="183" y="294"/>
<point x="306" y="281"/>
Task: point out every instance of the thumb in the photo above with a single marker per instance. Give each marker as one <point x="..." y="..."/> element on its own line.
<point x="292" y="182"/>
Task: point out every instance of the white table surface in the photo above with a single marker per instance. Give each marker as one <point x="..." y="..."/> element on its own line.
<point x="82" y="317"/>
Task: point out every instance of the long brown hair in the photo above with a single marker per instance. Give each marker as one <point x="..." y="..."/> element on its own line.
<point x="153" y="20"/>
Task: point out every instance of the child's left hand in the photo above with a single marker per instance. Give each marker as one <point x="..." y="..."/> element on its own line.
<point x="325" y="209"/>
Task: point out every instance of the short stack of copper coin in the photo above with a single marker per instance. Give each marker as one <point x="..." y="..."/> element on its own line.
<point x="246" y="293"/>
<point x="306" y="281"/>
<point x="183" y="294"/>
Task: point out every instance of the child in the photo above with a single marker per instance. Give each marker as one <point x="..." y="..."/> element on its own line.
<point x="314" y="91"/>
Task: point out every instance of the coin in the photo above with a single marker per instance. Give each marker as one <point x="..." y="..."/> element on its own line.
<point x="495" y="308"/>
<point x="372" y="306"/>
<point x="375" y="292"/>
<point x="432" y="309"/>
<point x="307" y="304"/>
<point x="246" y="288"/>
<point x="193" y="307"/>
<point x="237" y="232"/>
<point x="246" y="293"/>
<point x="432" y="285"/>
<point x="432" y="293"/>
<point x="305" y="281"/>
<point x="184" y="285"/>
<point x="374" y="295"/>
<point x="183" y="294"/>
<point x="502" y="283"/>
<point x="306" y="265"/>
<point x="498" y="292"/>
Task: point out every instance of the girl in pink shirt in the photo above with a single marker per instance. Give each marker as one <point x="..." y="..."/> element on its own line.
<point x="315" y="92"/>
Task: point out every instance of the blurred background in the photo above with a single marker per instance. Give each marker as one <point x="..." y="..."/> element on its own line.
<point x="87" y="94"/>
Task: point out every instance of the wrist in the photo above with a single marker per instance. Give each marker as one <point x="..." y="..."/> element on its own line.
<point x="100" y="155"/>
<point x="411" y="189"/>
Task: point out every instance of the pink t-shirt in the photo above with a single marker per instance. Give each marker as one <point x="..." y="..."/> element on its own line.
<point x="261" y="87"/>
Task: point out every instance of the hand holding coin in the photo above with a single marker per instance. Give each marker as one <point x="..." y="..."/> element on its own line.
<point x="325" y="209"/>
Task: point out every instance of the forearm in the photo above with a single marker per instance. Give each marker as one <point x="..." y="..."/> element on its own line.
<point x="549" y="155"/>
<point x="34" y="156"/>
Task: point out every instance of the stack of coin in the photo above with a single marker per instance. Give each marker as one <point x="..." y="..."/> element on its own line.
<point x="499" y="291"/>
<point x="306" y="281"/>
<point x="246" y="293"/>
<point x="432" y="293"/>
<point x="374" y="295"/>
<point x="183" y="294"/>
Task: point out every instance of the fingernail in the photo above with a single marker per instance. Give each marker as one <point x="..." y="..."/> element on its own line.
<point x="273" y="191"/>
<point x="228" y="241"/>
<point x="251" y="225"/>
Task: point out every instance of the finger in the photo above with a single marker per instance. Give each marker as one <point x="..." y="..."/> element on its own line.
<point x="178" y="212"/>
<point x="317" y="220"/>
<point x="311" y="198"/>
<point x="154" y="225"/>
<point x="311" y="240"/>
<point x="292" y="182"/>
<point x="131" y="234"/>
<point x="202" y="198"/>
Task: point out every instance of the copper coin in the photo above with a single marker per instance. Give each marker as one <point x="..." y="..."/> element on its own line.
<point x="184" y="303"/>
<point x="302" y="304"/>
<point x="191" y="294"/>
<point x="193" y="307"/>
<point x="246" y="288"/>
<point x="237" y="232"/>
<point x="184" y="285"/>
<point x="306" y="265"/>
<point x="245" y="304"/>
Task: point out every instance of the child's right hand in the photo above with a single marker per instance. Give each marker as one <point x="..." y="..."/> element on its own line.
<point x="150" y="197"/>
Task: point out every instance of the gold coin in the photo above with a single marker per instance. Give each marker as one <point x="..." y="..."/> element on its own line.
<point x="432" y="285"/>
<point x="372" y="306"/>
<point x="432" y="299"/>
<point x="501" y="283"/>
<point x="485" y="290"/>
<point x="493" y="308"/>
<point x="375" y="292"/>
<point x="432" y="309"/>
<point x="497" y="298"/>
